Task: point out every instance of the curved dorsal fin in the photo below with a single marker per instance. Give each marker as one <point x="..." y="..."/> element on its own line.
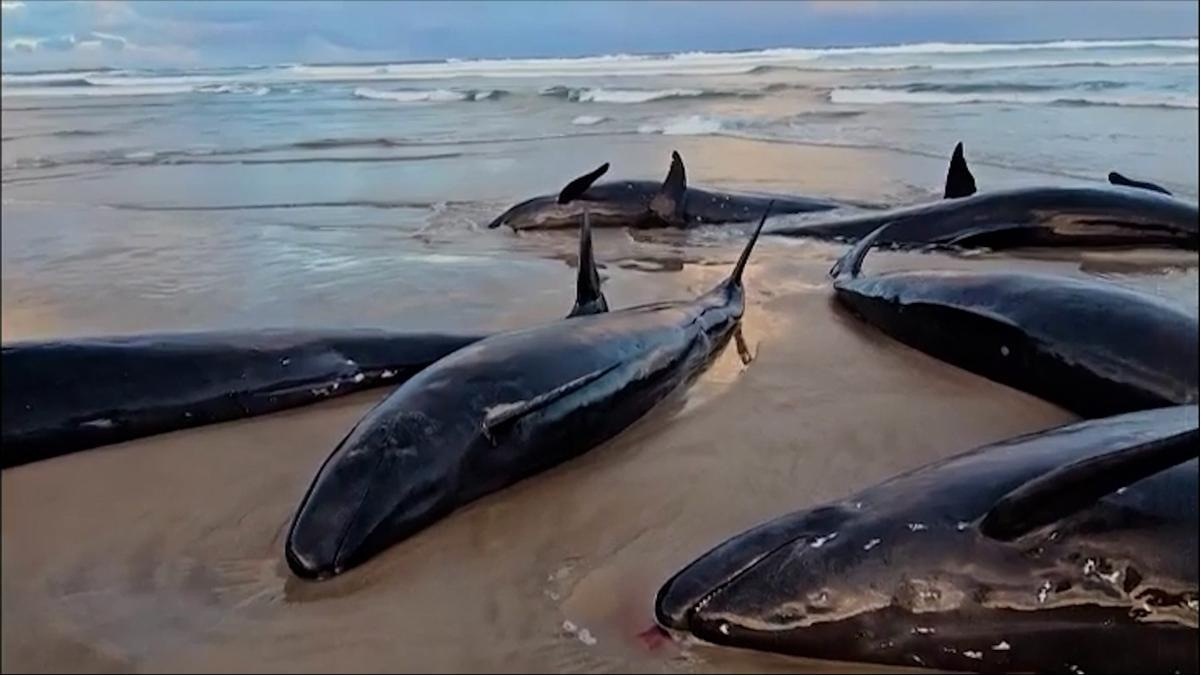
<point x="959" y="183"/>
<point x="590" y="299"/>
<point x="1119" y="179"/>
<point x="669" y="204"/>
<point x="574" y="189"/>
<point x="1067" y="489"/>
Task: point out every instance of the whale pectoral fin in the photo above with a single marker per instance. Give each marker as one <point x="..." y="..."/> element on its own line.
<point x="849" y="264"/>
<point x="959" y="183"/>
<point x="1067" y="489"/>
<point x="669" y="203"/>
<point x="995" y="236"/>
<point x="502" y="416"/>
<point x="1118" y="179"/>
<point x="576" y="188"/>
<point x="590" y="299"/>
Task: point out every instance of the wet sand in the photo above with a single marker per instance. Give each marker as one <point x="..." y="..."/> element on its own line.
<point x="95" y="256"/>
<point x="165" y="554"/>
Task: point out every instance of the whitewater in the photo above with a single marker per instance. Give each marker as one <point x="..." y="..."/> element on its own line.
<point x="911" y="98"/>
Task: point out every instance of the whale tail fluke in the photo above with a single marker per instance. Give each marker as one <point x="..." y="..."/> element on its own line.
<point x="735" y="280"/>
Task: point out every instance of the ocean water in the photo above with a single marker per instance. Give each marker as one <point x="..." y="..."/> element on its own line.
<point x="226" y="196"/>
<point x="1073" y="109"/>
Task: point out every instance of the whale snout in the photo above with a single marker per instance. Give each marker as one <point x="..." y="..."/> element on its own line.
<point x="526" y="214"/>
<point x="383" y="483"/>
<point x="321" y="531"/>
<point x="353" y="495"/>
<point x="310" y="563"/>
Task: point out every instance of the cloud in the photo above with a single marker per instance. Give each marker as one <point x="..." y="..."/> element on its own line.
<point x="22" y="44"/>
<point x="91" y="49"/>
<point x="152" y="33"/>
<point x="67" y="42"/>
<point x="110" y="40"/>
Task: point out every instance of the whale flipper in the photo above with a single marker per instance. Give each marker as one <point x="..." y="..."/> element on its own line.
<point x="1075" y="486"/>
<point x="500" y="417"/>
<point x="849" y="264"/>
<point x="576" y="188"/>
<point x="959" y="183"/>
<point x="669" y="204"/>
<point x="1119" y="179"/>
<point x="590" y="299"/>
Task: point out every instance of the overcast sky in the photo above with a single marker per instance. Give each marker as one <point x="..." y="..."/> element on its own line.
<point x="49" y="35"/>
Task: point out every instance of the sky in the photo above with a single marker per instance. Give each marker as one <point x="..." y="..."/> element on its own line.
<point x="42" y="35"/>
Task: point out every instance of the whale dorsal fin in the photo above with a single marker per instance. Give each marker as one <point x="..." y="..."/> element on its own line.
<point x="1119" y="179"/>
<point x="576" y="188"/>
<point x="959" y="183"/>
<point x="500" y="417"/>
<point x="669" y="204"/>
<point x="1074" y="486"/>
<point x="590" y="299"/>
<point x="849" y="264"/>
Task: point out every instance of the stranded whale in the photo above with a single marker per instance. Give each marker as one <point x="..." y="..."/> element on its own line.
<point x="499" y="411"/>
<point x="1091" y="347"/>
<point x="1070" y="550"/>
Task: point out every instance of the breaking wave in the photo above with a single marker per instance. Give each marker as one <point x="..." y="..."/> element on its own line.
<point x="439" y="95"/>
<point x="684" y="125"/>
<point x="879" y="95"/>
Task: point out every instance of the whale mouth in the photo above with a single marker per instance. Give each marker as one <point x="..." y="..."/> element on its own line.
<point x="693" y="587"/>
<point x="684" y="595"/>
<point x="309" y="569"/>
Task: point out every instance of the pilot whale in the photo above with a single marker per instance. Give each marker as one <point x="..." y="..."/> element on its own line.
<point x="647" y="204"/>
<point x="1129" y="213"/>
<point x="1093" y="348"/>
<point x="1071" y="550"/>
<point x="63" y="396"/>
<point x="499" y="411"/>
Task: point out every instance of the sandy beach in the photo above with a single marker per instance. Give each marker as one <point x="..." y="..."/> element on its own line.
<point x="325" y="203"/>
<point x="165" y="554"/>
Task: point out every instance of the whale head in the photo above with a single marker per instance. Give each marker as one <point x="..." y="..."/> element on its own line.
<point x="382" y="482"/>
